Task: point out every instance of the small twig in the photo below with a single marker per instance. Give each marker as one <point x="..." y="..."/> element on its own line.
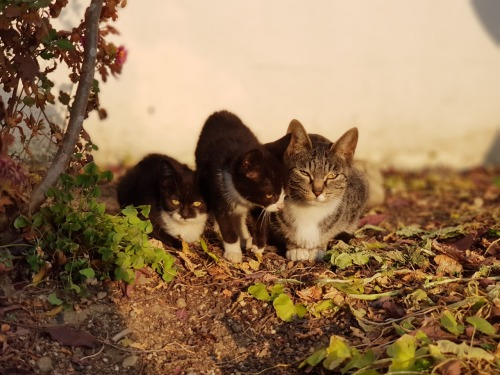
<point x="491" y="245"/>
<point x="458" y="280"/>
<point x="372" y="297"/>
<point x="93" y="355"/>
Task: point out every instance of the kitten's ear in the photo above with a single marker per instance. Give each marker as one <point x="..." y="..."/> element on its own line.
<point x="250" y="164"/>
<point x="279" y="147"/>
<point x="346" y="145"/>
<point x="167" y="174"/>
<point x="299" y="139"/>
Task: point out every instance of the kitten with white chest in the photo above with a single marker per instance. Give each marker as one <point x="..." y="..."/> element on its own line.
<point x="178" y="210"/>
<point x="326" y="195"/>
<point x="239" y="174"/>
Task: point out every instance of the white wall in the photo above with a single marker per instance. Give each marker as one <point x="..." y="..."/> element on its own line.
<point x="420" y="79"/>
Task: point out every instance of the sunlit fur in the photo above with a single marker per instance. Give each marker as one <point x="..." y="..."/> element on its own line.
<point x="326" y="195"/>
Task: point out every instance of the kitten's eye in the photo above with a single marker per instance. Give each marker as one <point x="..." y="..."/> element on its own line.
<point x="269" y="196"/>
<point x="331" y="176"/>
<point x="175" y="202"/>
<point x="196" y="203"/>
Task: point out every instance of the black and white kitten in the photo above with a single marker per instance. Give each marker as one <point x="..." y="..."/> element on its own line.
<point x="238" y="174"/>
<point x="178" y="210"/>
<point x="326" y="194"/>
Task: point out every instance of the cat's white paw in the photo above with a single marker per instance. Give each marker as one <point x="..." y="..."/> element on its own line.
<point x="316" y="254"/>
<point x="232" y="252"/>
<point x="257" y="250"/>
<point x="297" y="254"/>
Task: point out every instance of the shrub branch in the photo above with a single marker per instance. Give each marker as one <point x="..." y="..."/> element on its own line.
<point x="78" y="109"/>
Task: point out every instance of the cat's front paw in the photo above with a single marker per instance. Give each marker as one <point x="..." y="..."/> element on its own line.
<point x="305" y="254"/>
<point x="232" y="252"/>
<point x="257" y="250"/>
<point x="248" y="243"/>
<point x="316" y="254"/>
<point x="297" y="254"/>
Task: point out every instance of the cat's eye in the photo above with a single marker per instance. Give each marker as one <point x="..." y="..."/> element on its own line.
<point x="196" y="203"/>
<point x="305" y="173"/>
<point x="331" y="176"/>
<point x="175" y="202"/>
<point x="269" y="196"/>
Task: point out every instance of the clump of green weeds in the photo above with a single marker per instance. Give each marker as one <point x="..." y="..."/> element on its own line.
<point x="72" y="234"/>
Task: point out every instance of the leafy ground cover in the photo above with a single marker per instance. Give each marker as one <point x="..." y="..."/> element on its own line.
<point x="415" y="291"/>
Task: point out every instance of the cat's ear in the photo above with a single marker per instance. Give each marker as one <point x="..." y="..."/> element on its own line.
<point x="251" y="163"/>
<point x="167" y="174"/>
<point x="346" y="145"/>
<point x="299" y="139"/>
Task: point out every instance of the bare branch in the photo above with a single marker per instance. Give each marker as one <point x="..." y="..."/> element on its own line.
<point x="78" y="109"/>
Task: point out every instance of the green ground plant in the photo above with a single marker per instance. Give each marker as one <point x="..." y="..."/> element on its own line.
<point x="73" y="234"/>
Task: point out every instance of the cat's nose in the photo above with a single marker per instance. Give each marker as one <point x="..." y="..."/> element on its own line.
<point x="317" y="192"/>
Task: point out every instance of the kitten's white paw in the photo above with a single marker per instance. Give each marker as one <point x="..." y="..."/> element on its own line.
<point x="316" y="254"/>
<point x="297" y="254"/>
<point x="232" y="252"/>
<point x="257" y="250"/>
<point x="248" y="243"/>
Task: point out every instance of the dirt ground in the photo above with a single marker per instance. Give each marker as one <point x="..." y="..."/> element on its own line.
<point x="204" y="321"/>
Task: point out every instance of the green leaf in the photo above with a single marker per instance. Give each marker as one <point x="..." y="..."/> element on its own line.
<point x="91" y="169"/>
<point x="464" y="351"/>
<point x="129" y="211"/>
<point x="40" y="4"/>
<point x="314" y="359"/>
<point x="87" y="272"/>
<point x="64" y="98"/>
<point x="259" y="291"/>
<point x="403" y="353"/>
<point x="342" y="260"/>
<point x="204" y="247"/>
<point x="336" y="353"/>
<point x="106" y="176"/>
<point x="301" y="310"/>
<point x="75" y="287"/>
<point x="276" y="290"/>
<point x="410" y="231"/>
<point x="64" y="44"/>
<point x="481" y="325"/>
<point x="145" y="210"/>
<point x="21" y="222"/>
<point x="358" y="360"/>
<point x="53" y="300"/>
<point x="450" y="324"/>
<point x="285" y="309"/>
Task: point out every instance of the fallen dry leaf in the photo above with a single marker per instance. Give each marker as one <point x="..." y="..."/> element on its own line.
<point x="447" y="266"/>
<point x="72" y="337"/>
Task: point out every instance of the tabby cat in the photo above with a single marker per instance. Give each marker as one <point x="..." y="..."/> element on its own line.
<point x="178" y="211"/>
<point x="238" y="174"/>
<point x="326" y="195"/>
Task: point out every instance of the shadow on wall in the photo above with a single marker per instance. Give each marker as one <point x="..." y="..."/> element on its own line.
<point x="488" y="12"/>
<point x="493" y="155"/>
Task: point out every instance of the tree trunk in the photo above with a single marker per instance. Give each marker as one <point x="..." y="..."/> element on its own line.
<point x="78" y="109"/>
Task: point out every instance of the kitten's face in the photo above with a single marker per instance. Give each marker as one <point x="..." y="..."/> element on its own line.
<point x="261" y="179"/>
<point x="318" y="168"/>
<point x="180" y="196"/>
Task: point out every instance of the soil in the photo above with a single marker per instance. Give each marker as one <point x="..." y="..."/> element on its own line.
<point x="205" y="321"/>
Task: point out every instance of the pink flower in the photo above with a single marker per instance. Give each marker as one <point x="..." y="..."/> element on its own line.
<point x="121" y="55"/>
